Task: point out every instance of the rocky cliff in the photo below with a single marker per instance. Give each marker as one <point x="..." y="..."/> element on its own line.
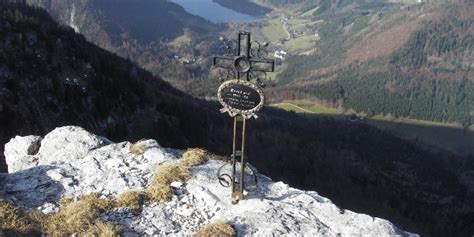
<point x="70" y="162"/>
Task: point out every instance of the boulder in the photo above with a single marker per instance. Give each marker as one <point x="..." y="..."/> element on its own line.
<point x="20" y="152"/>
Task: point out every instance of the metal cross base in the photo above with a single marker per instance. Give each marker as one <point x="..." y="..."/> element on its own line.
<point x="238" y="190"/>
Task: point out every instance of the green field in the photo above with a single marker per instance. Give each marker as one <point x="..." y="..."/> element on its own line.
<point x="449" y="137"/>
<point x="185" y="39"/>
<point x="307" y="107"/>
<point x="300" y="44"/>
<point x="425" y="133"/>
<point x="293" y="22"/>
<point x="310" y="12"/>
<point x="274" y="30"/>
<point x="291" y="107"/>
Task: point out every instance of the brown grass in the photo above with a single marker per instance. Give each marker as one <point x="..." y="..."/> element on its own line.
<point x="103" y="229"/>
<point x="65" y="201"/>
<point x="194" y="156"/>
<point x="169" y="173"/>
<point x="38" y="218"/>
<point x="96" y="202"/>
<point x="138" y="148"/>
<point x="218" y="228"/>
<point x="14" y="222"/>
<point x="76" y="217"/>
<point x="131" y="199"/>
<point x="159" y="193"/>
<point x="81" y="217"/>
<point x="160" y="190"/>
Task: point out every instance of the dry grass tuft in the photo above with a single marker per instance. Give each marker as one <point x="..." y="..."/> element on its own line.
<point x="76" y="217"/>
<point x="14" y="222"/>
<point x="194" y="156"/>
<point x="160" y="190"/>
<point x="65" y="201"/>
<point x="130" y="199"/>
<point x="96" y="202"/>
<point x="80" y="217"/>
<point x="101" y="228"/>
<point x="218" y="228"/>
<point x="159" y="193"/>
<point x="38" y="218"/>
<point x="169" y="173"/>
<point x="138" y="148"/>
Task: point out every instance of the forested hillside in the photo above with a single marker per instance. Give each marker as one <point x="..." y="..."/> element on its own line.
<point x="244" y="6"/>
<point x="285" y="3"/>
<point x="148" y="32"/>
<point x="411" y="61"/>
<point x="50" y="76"/>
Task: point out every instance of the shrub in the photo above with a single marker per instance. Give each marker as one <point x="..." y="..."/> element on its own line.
<point x="169" y="173"/>
<point x="193" y="157"/>
<point x="159" y="193"/>
<point x="218" y="228"/>
<point x="131" y="199"/>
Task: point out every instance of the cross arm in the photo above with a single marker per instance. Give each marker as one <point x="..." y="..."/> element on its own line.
<point x="262" y="65"/>
<point x="223" y="62"/>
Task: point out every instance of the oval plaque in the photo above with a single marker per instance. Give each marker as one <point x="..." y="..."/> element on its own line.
<point x="240" y="97"/>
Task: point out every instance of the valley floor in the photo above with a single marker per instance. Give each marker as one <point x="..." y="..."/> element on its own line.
<point x="426" y="133"/>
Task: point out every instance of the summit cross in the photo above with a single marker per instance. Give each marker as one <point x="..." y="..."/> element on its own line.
<point x="241" y="99"/>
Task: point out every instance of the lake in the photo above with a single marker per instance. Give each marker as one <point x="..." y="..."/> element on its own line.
<point x="213" y="12"/>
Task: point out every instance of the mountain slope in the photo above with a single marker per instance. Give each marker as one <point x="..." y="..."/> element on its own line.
<point x="380" y="58"/>
<point x="50" y="76"/>
<point x="90" y="164"/>
<point x="140" y="30"/>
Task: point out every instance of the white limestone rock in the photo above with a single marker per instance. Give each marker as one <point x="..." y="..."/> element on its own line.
<point x="72" y="162"/>
<point x="20" y="151"/>
<point x="82" y="163"/>
<point x="66" y="143"/>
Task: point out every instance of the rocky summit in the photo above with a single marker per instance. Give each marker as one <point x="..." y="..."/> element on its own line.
<point x="70" y="162"/>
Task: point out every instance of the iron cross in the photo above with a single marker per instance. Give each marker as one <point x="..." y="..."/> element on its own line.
<point x="247" y="62"/>
<point x="246" y="59"/>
